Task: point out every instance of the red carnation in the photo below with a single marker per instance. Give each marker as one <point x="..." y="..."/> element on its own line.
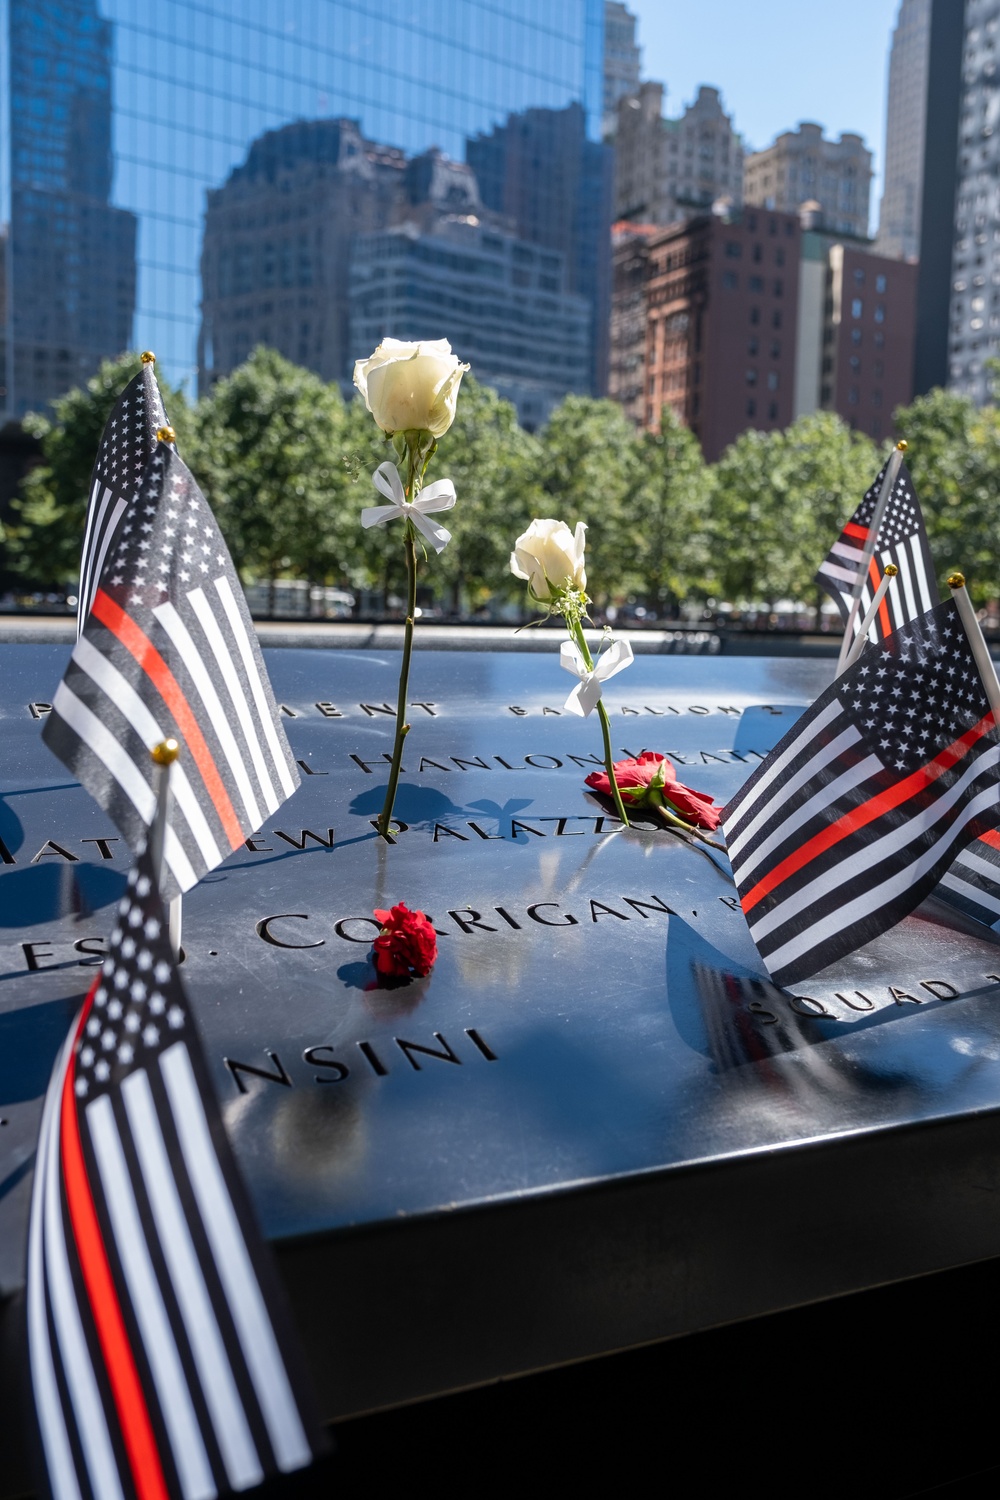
<point x="406" y="945"/>
<point x="651" y="781"/>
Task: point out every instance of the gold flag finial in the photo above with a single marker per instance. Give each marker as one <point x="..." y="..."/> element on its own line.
<point x="956" y="580"/>
<point x="166" y="435"/>
<point x="148" y="357"/>
<point x="902" y="445"/>
<point x="166" y="752"/>
<point x="891" y="570"/>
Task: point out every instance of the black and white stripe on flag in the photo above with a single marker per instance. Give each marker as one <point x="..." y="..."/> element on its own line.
<point x="127" y="445"/>
<point x="972" y="882"/>
<point x="169" y="650"/>
<point x="163" y="1363"/>
<point x="860" y="809"/>
<point x="901" y="540"/>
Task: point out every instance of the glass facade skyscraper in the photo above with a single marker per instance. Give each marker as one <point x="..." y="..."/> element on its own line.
<point x="192" y="85"/>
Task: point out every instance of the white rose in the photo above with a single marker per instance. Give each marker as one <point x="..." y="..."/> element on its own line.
<point x="550" y="557"/>
<point x="411" y="387"/>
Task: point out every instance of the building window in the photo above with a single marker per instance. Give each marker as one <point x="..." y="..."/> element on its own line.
<point x="776" y="318"/>
<point x="779" y="256"/>
<point x="734" y="249"/>
<point x="755" y="315"/>
<point x="856" y="336"/>
<point x="751" y="376"/>
<point x="757" y="252"/>
<point x="880" y="287"/>
<point x="756" y="283"/>
<point x="877" y="369"/>
<point x="775" y="348"/>
<point x="772" y="411"/>
<point x="859" y="276"/>
<point x="751" y="407"/>
<point x="752" y="346"/>
<point x="876" y="399"/>
<point x="751" y="221"/>
<point x="852" y="395"/>
<point x="772" y="380"/>
<point x="880" y="312"/>
<point x="857" y="307"/>
<point x="779" y="287"/>
<point x="855" y="363"/>
<point x="879" y="339"/>
<point x="730" y="280"/>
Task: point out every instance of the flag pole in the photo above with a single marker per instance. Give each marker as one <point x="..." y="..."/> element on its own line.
<point x="860" y="640"/>
<point x="163" y="755"/>
<point x="868" y="552"/>
<point x="980" y="650"/>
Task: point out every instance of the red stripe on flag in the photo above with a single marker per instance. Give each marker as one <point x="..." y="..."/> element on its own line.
<point x="860" y="817"/>
<point x="861" y="532"/>
<point x="883" y="609"/>
<point x="992" y="838"/>
<point x="133" y="1414"/>
<point x="138" y="644"/>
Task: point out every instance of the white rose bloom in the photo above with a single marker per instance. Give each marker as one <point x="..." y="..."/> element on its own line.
<point x="550" y="557"/>
<point x="411" y="387"/>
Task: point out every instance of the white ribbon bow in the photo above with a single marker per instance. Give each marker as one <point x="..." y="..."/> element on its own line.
<point x="586" y="695"/>
<point x="437" y="496"/>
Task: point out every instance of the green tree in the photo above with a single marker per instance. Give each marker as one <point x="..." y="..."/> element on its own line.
<point x="45" y="539"/>
<point x="493" y="463"/>
<point x="267" y="450"/>
<point x="670" y="517"/>
<point x="781" y="499"/>
<point x="591" y="470"/>
<point x="954" y="457"/>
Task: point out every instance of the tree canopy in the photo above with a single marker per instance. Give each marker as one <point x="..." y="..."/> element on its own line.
<point x="286" y="462"/>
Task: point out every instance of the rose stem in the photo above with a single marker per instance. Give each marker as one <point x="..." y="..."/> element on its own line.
<point x="673" y="821"/>
<point x="402" y="728"/>
<point x="576" y="628"/>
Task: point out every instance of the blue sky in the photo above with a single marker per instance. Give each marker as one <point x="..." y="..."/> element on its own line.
<point x="777" y="62"/>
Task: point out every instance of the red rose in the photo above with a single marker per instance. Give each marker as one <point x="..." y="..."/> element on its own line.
<point x="651" y="781"/>
<point x="407" y="943"/>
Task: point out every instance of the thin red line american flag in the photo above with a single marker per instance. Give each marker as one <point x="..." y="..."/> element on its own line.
<point x="162" y="1361"/>
<point x="902" y="541"/>
<point x="169" y="650"/>
<point x="858" y="812"/>
<point x="127" y="444"/>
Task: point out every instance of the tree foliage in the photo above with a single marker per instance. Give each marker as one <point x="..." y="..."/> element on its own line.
<point x="286" y="465"/>
<point x="44" y="541"/>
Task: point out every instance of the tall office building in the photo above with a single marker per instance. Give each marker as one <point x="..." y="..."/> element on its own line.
<point x="905" y="131"/>
<point x="801" y="167"/>
<point x="717" y="297"/>
<point x="667" y="170"/>
<point x="192" y="86"/>
<point x="622" y="58"/>
<point x="67" y="255"/>
<point x="974" y="313"/>
<point x="323" y="243"/>
<point x="501" y="302"/>
<point x="543" y="173"/>
<point x="750" y="319"/>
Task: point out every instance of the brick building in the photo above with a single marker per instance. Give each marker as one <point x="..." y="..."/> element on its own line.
<point x="856" y="333"/>
<point x="751" y="321"/>
<point x="719" y="344"/>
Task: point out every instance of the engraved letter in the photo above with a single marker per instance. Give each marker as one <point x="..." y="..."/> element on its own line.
<point x="936" y="986"/>
<point x="568" y="920"/>
<point x="310" y="1055"/>
<point x="263" y="930"/>
<point x="237" y="1068"/>
<point x="408" y="1049"/>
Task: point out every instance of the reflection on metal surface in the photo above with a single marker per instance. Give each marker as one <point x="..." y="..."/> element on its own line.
<point x="597" y="1009"/>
